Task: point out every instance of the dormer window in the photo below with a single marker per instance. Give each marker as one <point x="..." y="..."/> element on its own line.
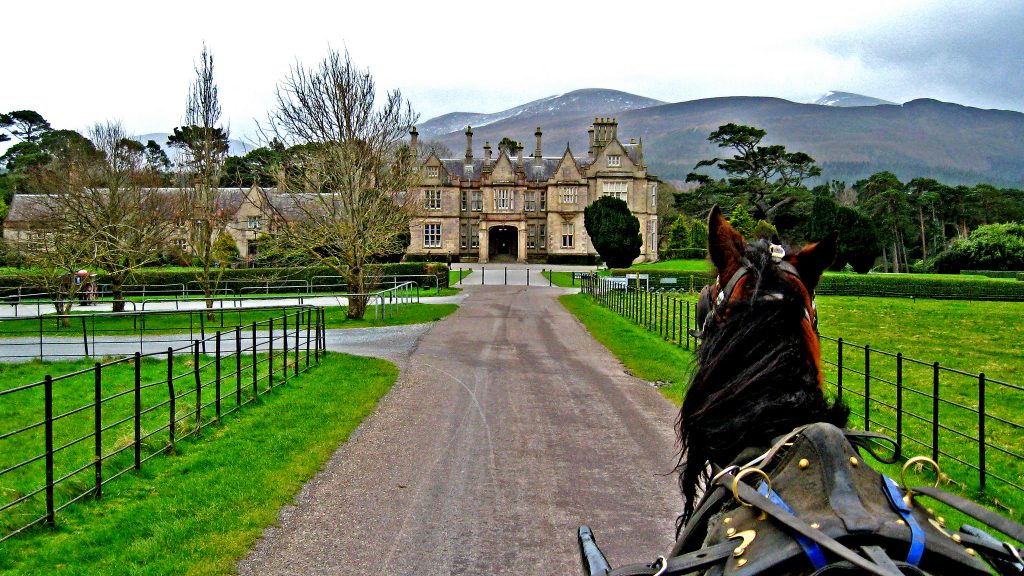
<point x="614" y="160"/>
<point x="469" y="171"/>
<point x="255" y="223"/>
<point x="433" y="172"/>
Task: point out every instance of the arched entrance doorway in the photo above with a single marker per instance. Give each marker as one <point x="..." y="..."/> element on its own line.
<point x="503" y="243"/>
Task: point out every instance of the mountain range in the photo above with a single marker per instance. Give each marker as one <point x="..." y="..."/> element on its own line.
<point x="851" y="136"/>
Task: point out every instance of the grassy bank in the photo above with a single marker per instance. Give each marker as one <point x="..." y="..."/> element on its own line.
<point x="201" y="509"/>
<point x="645" y="354"/>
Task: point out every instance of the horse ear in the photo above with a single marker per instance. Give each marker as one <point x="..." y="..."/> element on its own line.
<point x="814" y="259"/>
<point x="725" y="244"/>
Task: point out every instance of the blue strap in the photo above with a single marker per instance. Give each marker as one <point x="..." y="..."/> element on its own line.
<point x="892" y="490"/>
<point x="810" y="547"/>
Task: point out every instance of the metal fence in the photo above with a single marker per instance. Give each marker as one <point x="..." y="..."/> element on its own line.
<point x="56" y="336"/>
<point x="968" y="422"/>
<point x="64" y="438"/>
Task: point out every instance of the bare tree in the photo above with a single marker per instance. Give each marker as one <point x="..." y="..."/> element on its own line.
<point x="203" y="147"/>
<point x="101" y="210"/>
<point x="52" y="254"/>
<point x="352" y="172"/>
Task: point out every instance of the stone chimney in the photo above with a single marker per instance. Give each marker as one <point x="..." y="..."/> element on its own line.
<point x="414" y="140"/>
<point x="469" y="144"/>
<point x="519" y="153"/>
<point x="487" y="158"/>
<point x="590" y="139"/>
<point x="537" y="151"/>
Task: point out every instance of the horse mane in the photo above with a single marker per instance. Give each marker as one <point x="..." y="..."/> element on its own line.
<point x="756" y="376"/>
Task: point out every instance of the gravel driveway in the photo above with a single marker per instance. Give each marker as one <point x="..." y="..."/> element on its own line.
<point x="509" y="426"/>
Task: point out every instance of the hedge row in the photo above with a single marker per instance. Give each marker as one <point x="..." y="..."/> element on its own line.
<point x="239" y="278"/>
<point x="1008" y="274"/>
<point x="908" y="286"/>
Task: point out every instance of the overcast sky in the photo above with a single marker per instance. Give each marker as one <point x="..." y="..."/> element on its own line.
<point x="77" y="62"/>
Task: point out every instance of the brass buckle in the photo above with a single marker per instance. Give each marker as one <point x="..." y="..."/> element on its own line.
<point x="908" y="499"/>
<point x="739" y="476"/>
<point x="746" y="537"/>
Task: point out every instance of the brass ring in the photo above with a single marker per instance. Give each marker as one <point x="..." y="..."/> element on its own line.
<point x="739" y="476"/>
<point x="915" y="460"/>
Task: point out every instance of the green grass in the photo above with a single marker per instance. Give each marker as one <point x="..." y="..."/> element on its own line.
<point x="683" y="265"/>
<point x="195" y="322"/>
<point x="562" y="279"/>
<point x="645" y="354"/>
<point x="963" y="335"/>
<point x="453" y="275"/>
<point x="971" y="337"/>
<point x="199" y="510"/>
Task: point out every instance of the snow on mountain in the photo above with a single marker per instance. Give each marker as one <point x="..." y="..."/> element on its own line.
<point x="848" y="100"/>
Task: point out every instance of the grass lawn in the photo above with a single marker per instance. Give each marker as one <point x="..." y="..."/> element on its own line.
<point x="684" y="265"/>
<point x="454" y="276"/>
<point x="969" y="336"/>
<point x="195" y="322"/>
<point x="645" y="354"/>
<point x="201" y="509"/>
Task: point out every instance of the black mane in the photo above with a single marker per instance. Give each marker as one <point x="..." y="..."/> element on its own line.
<point x="755" y="378"/>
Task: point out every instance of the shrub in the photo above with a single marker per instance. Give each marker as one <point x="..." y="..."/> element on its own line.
<point x="990" y="247"/>
<point x="613" y="230"/>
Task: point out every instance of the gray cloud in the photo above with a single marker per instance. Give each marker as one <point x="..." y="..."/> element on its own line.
<point x="972" y="53"/>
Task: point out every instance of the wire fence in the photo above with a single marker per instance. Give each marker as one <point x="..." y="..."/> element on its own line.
<point x="969" y="422"/>
<point x="64" y="438"/>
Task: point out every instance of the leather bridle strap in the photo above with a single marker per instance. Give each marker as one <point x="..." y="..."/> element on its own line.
<point x="684" y="564"/>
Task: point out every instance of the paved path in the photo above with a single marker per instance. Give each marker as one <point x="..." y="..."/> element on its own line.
<point x="509" y="426"/>
<point x="511" y="274"/>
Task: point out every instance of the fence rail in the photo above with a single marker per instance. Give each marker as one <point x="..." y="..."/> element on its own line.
<point x="969" y="422"/>
<point x="65" y="437"/>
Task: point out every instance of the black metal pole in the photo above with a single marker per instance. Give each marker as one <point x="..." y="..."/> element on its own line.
<point x="98" y="429"/>
<point x="85" y="337"/>
<point x="981" y="430"/>
<point x="255" y="383"/>
<point x="839" y="372"/>
<point x="270" y="356"/>
<point x="216" y="378"/>
<point x="935" y="411"/>
<point x="238" y="366"/>
<point x="199" y="385"/>
<point x="298" y="326"/>
<point x="170" y="393"/>
<point x="899" y="399"/>
<point x="48" y="441"/>
<point x="867" y="387"/>
<point x="138" y="410"/>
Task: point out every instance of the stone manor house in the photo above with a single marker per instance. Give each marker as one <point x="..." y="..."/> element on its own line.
<point x="530" y="209"/>
<point x="473" y="209"/>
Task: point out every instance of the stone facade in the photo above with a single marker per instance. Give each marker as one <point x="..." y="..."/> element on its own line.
<point x="529" y="209"/>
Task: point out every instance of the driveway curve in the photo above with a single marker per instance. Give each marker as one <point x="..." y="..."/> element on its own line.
<point x="509" y="426"/>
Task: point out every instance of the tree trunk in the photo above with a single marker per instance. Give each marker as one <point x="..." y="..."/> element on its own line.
<point x="356" y="300"/>
<point x="885" y="259"/>
<point x="117" y="290"/>
<point x="924" y="241"/>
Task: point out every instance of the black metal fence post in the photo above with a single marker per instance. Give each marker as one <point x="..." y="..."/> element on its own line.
<point x="48" y="441"/>
<point x="172" y="419"/>
<point x="899" y="399"/>
<point x="298" y="328"/>
<point x="255" y="382"/>
<point x="687" y="324"/>
<point x="270" y="355"/>
<point x="839" y="371"/>
<point x="981" y="430"/>
<point x="238" y="366"/>
<point x="138" y="410"/>
<point x="199" y="385"/>
<point x="935" y="411"/>
<point x="98" y="428"/>
<point x="216" y="377"/>
<point x="867" y="387"/>
<point x="309" y="318"/>
<point x="85" y="338"/>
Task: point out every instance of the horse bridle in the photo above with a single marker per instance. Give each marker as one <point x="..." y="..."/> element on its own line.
<point x="711" y="305"/>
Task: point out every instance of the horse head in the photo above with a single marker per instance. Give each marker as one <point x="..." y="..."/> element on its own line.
<point x="758" y="367"/>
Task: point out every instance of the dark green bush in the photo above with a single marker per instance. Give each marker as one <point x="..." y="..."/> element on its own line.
<point x="1010" y="274"/>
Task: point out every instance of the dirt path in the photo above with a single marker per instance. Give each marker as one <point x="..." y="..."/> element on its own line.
<point x="508" y="428"/>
